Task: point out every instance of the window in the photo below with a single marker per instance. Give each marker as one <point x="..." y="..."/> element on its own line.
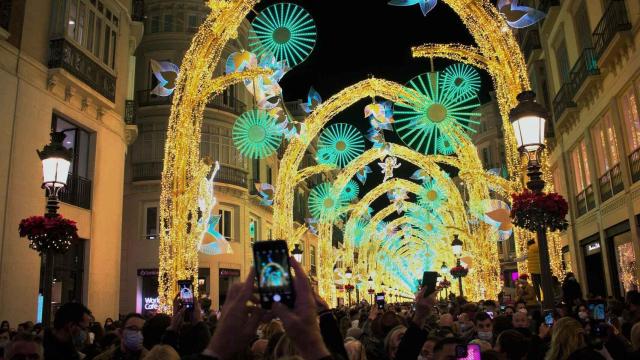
<point x="269" y="175"/>
<point x="155" y="24"/>
<point x="557" y="180"/>
<point x="255" y="170"/>
<point x="581" y="167"/>
<point x="253" y="230"/>
<point x="583" y="29"/>
<point x="192" y="23"/>
<point x="79" y="141"/>
<point x="216" y="142"/>
<point x="562" y="58"/>
<point x="486" y="157"/>
<point x="629" y="108"/>
<point x="151" y="222"/>
<point x="168" y="23"/>
<point x="225" y="224"/>
<point x="605" y="144"/>
<point x="312" y="259"/>
<point x="91" y="25"/>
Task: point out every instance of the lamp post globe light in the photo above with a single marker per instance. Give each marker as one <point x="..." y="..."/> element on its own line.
<point x="371" y="290"/>
<point x="56" y="161"/>
<point x="528" y="119"/>
<point x="297" y="253"/>
<point x="348" y="274"/>
<point x="444" y="269"/>
<point x="456" y="245"/>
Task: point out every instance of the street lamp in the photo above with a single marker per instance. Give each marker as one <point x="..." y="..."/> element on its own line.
<point x="444" y="269"/>
<point x="297" y="253"/>
<point x="456" y="244"/>
<point x="528" y="119"/>
<point x="56" y="161"/>
<point x="348" y="274"/>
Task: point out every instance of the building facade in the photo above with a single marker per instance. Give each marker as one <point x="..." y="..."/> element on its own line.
<point x="584" y="64"/>
<point x="64" y="65"/>
<point x="169" y="28"/>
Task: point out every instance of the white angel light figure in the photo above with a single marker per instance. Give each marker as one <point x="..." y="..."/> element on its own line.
<point x="390" y="163"/>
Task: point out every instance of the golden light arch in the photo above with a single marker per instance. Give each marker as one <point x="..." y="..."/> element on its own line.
<point x="183" y="169"/>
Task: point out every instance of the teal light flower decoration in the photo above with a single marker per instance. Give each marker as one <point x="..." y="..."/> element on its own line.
<point x="322" y="204"/>
<point x="461" y="80"/>
<point x="256" y="134"/>
<point x="423" y="120"/>
<point x="350" y="191"/>
<point x="445" y="145"/>
<point x="357" y="231"/>
<point x="285" y="30"/>
<point x="326" y="156"/>
<point x="432" y="195"/>
<point x="343" y="140"/>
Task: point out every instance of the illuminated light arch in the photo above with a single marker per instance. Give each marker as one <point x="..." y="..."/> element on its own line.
<point x="194" y="86"/>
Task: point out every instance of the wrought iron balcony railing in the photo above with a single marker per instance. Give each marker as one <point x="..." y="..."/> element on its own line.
<point x="220" y="102"/>
<point x="613" y="20"/>
<point x="153" y="171"/>
<point x="611" y="183"/>
<point x="563" y="100"/>
<point x="634" y="163"/>
<point x="77" y="192"/>
<point x="130" y="112"/>
<point x="585" y="201"/>
<point x="64" y="55"/>
<point x="586" y="65"/>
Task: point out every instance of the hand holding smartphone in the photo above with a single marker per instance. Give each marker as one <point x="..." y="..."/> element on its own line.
<point x="429" y="280"/>
<point x="185" y="292"/>
<point x="273" y="273"/>
<point x="380" y="301"/>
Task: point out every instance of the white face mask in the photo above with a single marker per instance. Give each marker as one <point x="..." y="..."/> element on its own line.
<point x="485" y="335"/>
<point x="355" y="323"/>
<point x="583" y="315"/>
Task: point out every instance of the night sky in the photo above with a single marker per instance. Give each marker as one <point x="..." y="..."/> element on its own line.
<point x="360" y="38"/>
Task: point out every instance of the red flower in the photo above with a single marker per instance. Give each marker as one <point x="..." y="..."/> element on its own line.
<point x="48" y="233"/>
<point x="533" y="211"/>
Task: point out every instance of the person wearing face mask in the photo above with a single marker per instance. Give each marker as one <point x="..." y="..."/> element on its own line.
<point x="69" y="333"/>
<point x="131" y="339"/>
<point x="484" y="327"/>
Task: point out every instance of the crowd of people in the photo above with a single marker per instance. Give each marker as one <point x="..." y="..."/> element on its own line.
<point x="424" y="329"/>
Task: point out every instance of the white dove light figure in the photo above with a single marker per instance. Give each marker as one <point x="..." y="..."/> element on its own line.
<point x="164" y="67"/>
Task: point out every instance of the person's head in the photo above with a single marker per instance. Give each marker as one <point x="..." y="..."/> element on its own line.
<point x="555" y="280"/>
<point x="258" y="348"/>
<point x="355" y="349"/>
<point x="5" y="336"/>
<point x="392" y="341"/>
<point x="520" y="320"/>
<point x="131" y="333"/>
<point x="108" y="321"/>
<point x="512" y="344"/>
<point x="5" y="325"/>
<point x="484" y="326"/>
<point x="445" y="349"/>
<point x="521" y="305"/>
<point x="490" y="306"/>
<point x="426" y="353"/>
<point x="446" y="320"/>
<point x="569" y="276"/>
<point x="567" y="336"/>
<point x="162" y="352"/>
<point x="24" y="347"/>
<point x="71" y="322"/>
<point x="633" y="301"/>
<point x="154" y="328"/>
<point x="273" y="327"/>
<point x="500" y="324"/>
<point x="523" y="280"/>
<point x="509" y="310"/>
<point x="635" y="336"/>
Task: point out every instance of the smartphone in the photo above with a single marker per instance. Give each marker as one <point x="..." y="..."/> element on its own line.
<point x="468" y="352"/>
<point x="429" y="279"/>
<point x="548" y="317"/>
<point x="380" y="301"/>
<point x="273" y="273"/>
<point x="598" y="310"/>
<point x="185" y="289"/>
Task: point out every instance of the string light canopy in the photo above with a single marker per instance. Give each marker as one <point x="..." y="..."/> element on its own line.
<point x="341" y="142"/>
<point x="443" y="109"/>
<point x="256" y="134"/>
<point x="285" y="30"/>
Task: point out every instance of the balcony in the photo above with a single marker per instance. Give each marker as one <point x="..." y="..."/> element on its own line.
<point x="582" y="71"/>
<point x="611" y="183"/>
<point x="563" y="101"/>
<point x="147" y="171"/>
<point x="137" y="10"/>
<point x="634" y="163"/>
<point x="530" y="42"/>
<point x="130" y="112"/>
<point x="252" y="186"/>
<point x="219" y="102"/>
<point x="613" y="21"/>
<point x="77" y="192"/>
<point x="585" y="201"/>
<point x="64" y="55"/>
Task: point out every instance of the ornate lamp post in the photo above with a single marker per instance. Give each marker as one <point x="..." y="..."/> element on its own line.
<point x="528" y="119"/>
<point x="297" y="253"/>
<point x="348" y="275"/>
<point x="457" y="272"/>
<point x="371" y="291"/>
<point x="56" y="161"/>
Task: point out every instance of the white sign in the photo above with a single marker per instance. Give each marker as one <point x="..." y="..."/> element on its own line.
<point x="151" y="303"/>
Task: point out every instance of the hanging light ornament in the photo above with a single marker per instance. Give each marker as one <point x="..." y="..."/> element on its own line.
<point x="256" y="134"/>
<point x="461" y="80"/>
<point x="421" y="122"/>
<point x="285" y="30"/>
<point x="432" y="195"/>
<point x="350" y="191"/>
<point x="322" y="204"/>
<point x="357" y="231"/>
<point x="341" y="141"/>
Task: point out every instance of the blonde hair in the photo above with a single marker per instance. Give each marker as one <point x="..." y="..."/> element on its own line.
<point x="284" y="348"/>
<point x="162" y="352"/>
<point x="635" y="336"/>
<point x="355" y="349"/>
<point x="567" y="336"/>
<point x="273" y="327"/>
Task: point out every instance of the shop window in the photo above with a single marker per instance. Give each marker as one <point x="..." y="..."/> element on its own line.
<point x="629" y="108"/>
<point x="580" y="164"/>
<point x="151" y="221"/>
